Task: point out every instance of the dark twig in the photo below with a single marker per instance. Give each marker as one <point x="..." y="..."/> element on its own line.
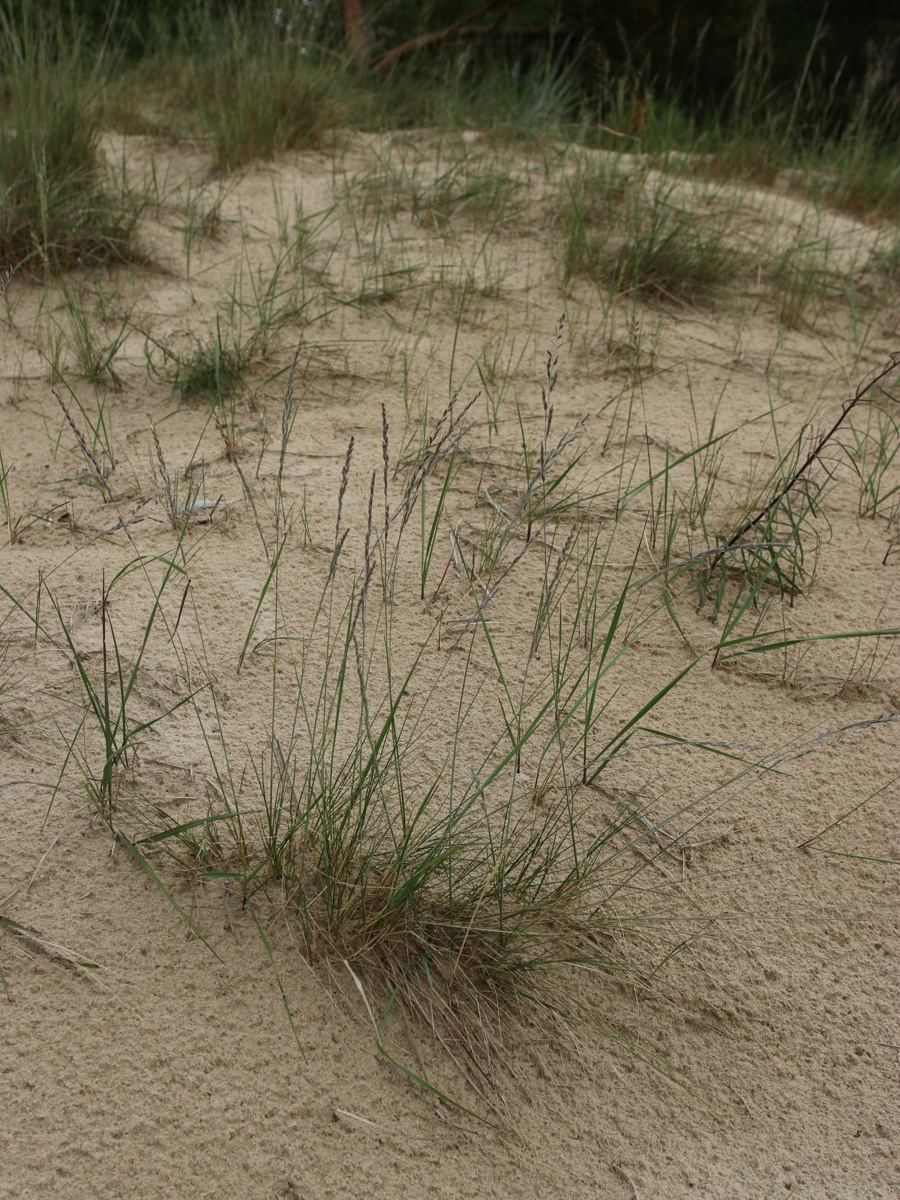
<point x="847" y="408"/>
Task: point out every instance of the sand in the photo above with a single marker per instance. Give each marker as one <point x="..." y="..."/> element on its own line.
<point x="139" y="1059"/>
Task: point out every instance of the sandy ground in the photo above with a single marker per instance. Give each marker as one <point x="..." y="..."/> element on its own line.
<point x="139" y="1060"/>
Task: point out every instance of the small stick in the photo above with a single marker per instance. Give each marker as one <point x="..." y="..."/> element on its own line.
<point x="437" y="590"/>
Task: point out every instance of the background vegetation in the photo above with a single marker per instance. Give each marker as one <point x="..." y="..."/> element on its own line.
<point x="756" y="89"/>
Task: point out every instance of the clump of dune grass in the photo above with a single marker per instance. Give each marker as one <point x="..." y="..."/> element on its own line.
<point x="629" y="230"/>
<point x="475" y="881"/>
<point x="58" y="205"/>
<point x="865" y="181"/>
<point x="460" y="188"/>
<point x="801" y="282"/>
<point x="884" y="264"/>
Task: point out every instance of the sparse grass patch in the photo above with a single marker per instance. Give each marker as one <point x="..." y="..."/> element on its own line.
<point x="885" y="262"/>
<point x="857" y="171"/>
<point x="96" y="354"/>
<point x="875" y="455"/>
<point x="10" y="519"/>
<point x="801" y="280"/>
<point x="752" y="159"/>
<point x="202" y="219"/>
<point x="461" y="186"/>
<point x="107" y="688"/>
<point x="780" y="517"/>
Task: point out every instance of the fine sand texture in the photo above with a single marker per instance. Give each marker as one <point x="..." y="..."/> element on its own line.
<point x="175" y="1023"/>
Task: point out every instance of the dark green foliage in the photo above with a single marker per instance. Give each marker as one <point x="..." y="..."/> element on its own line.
<point x="684" y="47"/>
<point x="754" y="92"/>
<point x="212" y="373"/>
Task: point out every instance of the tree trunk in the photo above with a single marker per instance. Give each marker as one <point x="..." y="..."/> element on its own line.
<point x="356" y="31"/>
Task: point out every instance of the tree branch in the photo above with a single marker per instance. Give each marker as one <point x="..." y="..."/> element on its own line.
<point x="458" y="29"/>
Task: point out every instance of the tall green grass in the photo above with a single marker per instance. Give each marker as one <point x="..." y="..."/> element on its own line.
<point x="259" y="95"/>
<point x="59" y="206"/>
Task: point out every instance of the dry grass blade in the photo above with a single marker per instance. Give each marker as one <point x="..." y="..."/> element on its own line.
<point x="85" y="448"/>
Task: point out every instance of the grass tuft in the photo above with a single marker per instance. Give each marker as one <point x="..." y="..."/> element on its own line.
<point x="630" y="230"/>
<point x="213" y="371"/>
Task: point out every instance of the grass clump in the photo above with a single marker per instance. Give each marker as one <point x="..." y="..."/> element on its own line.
<point x="861" y="177"/>
<point x="213" y="371"/>
<point x="628" y="230"/>
<point x="257" y="94"/>
<point x="874" y="455"/>
<point x="461" y="189"/>
<point x="801" y="282"/>
<point x="57" y="204"/>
